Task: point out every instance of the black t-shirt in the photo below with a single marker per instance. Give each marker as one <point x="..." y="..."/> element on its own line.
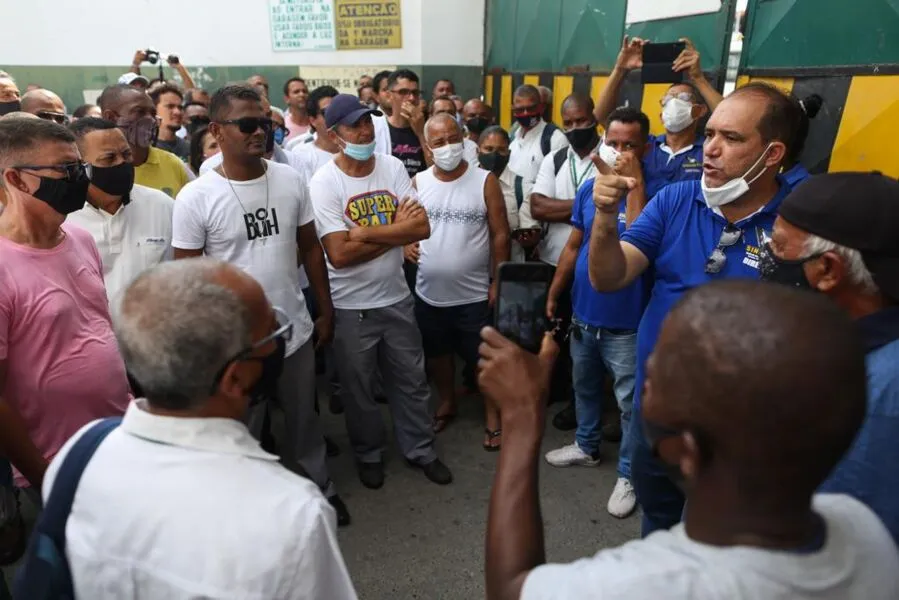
<point x="405" y="146"/>
<point x="178" y="147"/>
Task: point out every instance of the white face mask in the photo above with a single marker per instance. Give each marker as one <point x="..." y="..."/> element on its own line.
<point x="608" y="155"/>
<point x="448" y="157"/>
<point x="733" y="189"/>
<point x="677" y="115"/>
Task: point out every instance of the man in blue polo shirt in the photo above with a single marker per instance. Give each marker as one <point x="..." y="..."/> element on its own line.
<point x="603" y="332"/>
<point x="692" y="233"/>
<point x="838" y="234"/>
<point x="677" y="155"/>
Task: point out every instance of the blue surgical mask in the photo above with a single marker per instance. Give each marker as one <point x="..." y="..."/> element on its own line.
<point x="360" y="152"/>
<point x="280" y="134"/>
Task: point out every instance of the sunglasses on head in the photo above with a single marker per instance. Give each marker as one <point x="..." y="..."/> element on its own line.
<point x="49" y="115"/>
<point x="71" y="171"/>
<point x="249" y="125"/>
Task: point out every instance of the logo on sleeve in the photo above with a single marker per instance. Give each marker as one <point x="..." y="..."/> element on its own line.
<point x="372" y="208"/>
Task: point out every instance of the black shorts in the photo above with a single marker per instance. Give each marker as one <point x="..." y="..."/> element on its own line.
<point x="452" y="329"/>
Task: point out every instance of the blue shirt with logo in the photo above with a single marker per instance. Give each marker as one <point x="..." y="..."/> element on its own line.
<point x="678" y="232"/>
<point x="661" y="168"/>
<point x="617" y="310"/>
<point x="796" y="175"/>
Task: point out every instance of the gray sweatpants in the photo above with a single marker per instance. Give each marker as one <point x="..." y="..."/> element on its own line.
<point x="302" y="445"/>
<point x="385" y="339"/>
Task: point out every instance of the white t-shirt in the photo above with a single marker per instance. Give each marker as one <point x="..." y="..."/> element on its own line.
<point x="470" y="152"/>
<point x="561" y="186"/>
<point x="382" y="135"/>
<point x="280" y="155"/>
<point x="310" y="158"/>
<point x="526" y="152"/>
<point x="341" y="203"/>
<point x="507" y="185"/>
<point x="859" y="561"/>
<point x="252" y="225"/>
<point x="454" y="266"/>
<point x="295" y="143"/>
<point x="138" y="236"/>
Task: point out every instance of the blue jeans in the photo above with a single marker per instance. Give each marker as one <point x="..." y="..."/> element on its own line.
<point x="593" y="351"/>
<point x="662" y="501"/>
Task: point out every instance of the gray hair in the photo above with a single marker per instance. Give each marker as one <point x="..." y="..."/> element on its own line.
<point x="435" y="119"/>
<point x="856" y="270"/>
<point x="177" y="328"/>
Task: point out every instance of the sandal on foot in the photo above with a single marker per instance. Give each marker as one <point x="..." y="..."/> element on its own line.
<point x="492" y="435"/>
<point x="441" y="422"/>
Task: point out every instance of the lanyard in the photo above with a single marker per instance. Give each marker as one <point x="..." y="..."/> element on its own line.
<point x="575" y="179"/>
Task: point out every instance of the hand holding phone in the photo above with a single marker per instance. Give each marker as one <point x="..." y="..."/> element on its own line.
<point x="658" y="61"/>
<point x="520" y="313"/>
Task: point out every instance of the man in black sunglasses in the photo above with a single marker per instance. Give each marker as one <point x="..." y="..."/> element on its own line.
<point x="256" y="214"/>
<point x="693" y="232"/>
<point x="45" y="105"/>
<point x="753" y="393"/>
<point x="52" y="300"/>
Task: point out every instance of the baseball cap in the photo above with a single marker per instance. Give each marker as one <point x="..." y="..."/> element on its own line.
<point x="855" y="210"/>
<point x="131" y="78"/>
<point x="346" y="109"/>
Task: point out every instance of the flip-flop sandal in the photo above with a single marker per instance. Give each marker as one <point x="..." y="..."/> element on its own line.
<point x="441" y="422"/>
<point x="488" y="446"/>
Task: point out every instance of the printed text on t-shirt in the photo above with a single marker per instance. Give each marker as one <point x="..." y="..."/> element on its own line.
<point x="260" y="225"/>
<point x="372" y="208"/>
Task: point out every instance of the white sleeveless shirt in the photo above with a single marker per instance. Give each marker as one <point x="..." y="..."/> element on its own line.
<point x="454" y="265"/>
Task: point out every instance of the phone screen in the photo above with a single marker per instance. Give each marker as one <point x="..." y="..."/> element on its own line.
<point x="657" y="61"/>
<point x="521" y="311"/>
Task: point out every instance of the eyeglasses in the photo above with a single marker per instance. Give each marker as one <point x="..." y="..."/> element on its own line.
<point x="407" y="92"/>
<point x="284" y="331"/>
<point x="71" y="171"/>
<point x="685" y="96"/>
<point x="249" y="125"/>
<point x="730" y="236"/>
<point x="49" y="115"/>
<point x="525" y="110"/>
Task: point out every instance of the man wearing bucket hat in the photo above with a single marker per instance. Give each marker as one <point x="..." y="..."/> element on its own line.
<point x="838" y="234"/>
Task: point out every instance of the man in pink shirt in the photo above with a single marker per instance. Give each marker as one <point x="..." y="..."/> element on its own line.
<point x="296" y="119"/>
<point x="60" y="366"/>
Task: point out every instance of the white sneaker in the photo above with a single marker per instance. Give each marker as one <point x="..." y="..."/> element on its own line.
<point x="570" y="455"/>
<point x="623" y="500"/>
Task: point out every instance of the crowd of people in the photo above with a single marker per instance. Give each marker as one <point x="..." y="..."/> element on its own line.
<point x="188" y="272"/>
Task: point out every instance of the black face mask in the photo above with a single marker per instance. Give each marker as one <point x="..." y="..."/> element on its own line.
<point x="494" y="162"/>
<point x="196" y="123"/>
<point x="477" y="124"/>
<point x="583" y="138"/>
<point x="779" y="270"/>
<point x="63" y="195"/>
<point x="528" y="121"/>
<point x="8" y="107"/>
<point x="272" y="366"/>
<point x="115" y="181"/>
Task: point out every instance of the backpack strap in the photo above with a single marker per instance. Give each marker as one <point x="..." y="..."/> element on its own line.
<point x="559" y="159"/>
<point x="546" y="138"/>
<point x="519" y="190"/>
<point x="45" y="573"/>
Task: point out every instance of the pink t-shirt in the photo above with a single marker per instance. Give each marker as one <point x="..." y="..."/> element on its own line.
<point x="294" y="129"/>
<point x="63" y="363"/>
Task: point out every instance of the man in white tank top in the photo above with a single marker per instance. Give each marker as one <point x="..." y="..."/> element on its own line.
<point x="469" y="238"/>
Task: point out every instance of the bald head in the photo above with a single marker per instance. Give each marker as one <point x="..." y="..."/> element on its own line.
<point x="771" y="381"/>
<point x="19" y="115"/>
<point x="176" y="360"/>
<point x="41" y="100"/>
<point x="115" y="97"/>
<point x="444" y="128"/>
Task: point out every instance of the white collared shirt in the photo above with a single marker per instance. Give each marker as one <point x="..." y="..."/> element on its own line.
<point x="526" y="153"/>
<point x="561" y="186"/>
<point x="173" y="508"/>
<point x="138" y="236"/>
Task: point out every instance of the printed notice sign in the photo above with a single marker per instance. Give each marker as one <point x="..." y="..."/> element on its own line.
<point x="368" y="24"/>
<point x="639" y="11"/>
<point x="302" y="24"/>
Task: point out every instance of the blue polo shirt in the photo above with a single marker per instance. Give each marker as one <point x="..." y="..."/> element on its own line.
<point x="617" y="310"/>
<point x="677" y="232"/>
<point x="869" y="470"/>
<point x="661" y="168"/>
<point x="796" y="175"/>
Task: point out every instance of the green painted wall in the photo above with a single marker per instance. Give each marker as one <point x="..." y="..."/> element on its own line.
<point x="71" y="82"/>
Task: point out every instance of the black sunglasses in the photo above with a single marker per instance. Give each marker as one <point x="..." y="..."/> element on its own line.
<point x="730" y="236"/>
<point x="249" y="125"/>
<point x="71" y="171"/>
<point x="284" y="330"/>
<point x="49" y="115"/>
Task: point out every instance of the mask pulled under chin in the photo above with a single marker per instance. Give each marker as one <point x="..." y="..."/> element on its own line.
<point x="608" y="155"/>
<point x="733" y="189"/>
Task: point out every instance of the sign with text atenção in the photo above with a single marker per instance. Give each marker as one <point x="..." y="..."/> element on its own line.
<point x="368" y="24"/>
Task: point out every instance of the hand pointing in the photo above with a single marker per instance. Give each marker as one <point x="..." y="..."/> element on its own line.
<point x="609" y="188"/>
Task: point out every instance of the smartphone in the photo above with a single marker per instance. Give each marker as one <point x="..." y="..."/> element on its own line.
<point x="520" y="312"/>
<point x="657" y="61"/>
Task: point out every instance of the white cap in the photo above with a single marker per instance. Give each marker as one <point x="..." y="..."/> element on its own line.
<point x="130" y="78"/>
